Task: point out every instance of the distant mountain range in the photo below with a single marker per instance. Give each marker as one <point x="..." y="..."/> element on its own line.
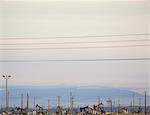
<point x="83" y="95"/>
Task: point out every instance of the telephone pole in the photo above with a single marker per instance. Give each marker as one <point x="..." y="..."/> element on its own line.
<point x="139" y="102"/>
<point x="6" y="77"/>
<point x="71" y="103"/>
<point x="114" y="106"/>
<point x="145" y="104"/>
<point x="118" y="106"/>
<point x="48" y="107"/>
<point x="58" y="105"/>
<point x="22" y="101"/>
<point x="98" y="100"/>
<point x="34" y="103"/>
<point x="58" y="101"/>
<point x="27" y="101"/>
<point x="133" y="103"/>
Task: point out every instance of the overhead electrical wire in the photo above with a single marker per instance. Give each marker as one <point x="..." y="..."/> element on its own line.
<point x="76" y="42"/>
<point x="63" y="48"/>
<point x="86" y="36"/>
<point x="78" y="60"/>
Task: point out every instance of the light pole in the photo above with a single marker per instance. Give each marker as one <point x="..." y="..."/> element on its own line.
<point x="6" y="77"/>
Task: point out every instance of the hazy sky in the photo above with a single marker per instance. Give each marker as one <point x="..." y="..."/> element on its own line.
<point x="82" y="18"/>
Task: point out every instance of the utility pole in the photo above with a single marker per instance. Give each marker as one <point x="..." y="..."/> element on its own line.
<point x="58" y="101"/>
<point x="114" y="107"/>
<point x="71" y="103"/>
<point x="111" y="107"/>
<point x="22" y="101"/>
<point x="145" y="104"/>
<point x="48" y="107"/>
<point x="58" y="105"/>
<point x="27" y="101"/>
<point x="6" y="77"/>
<point x="118" y="106"/>
<point x="139" y="102"/>
<point x="133" y="103"/>
<point x="131" y="108"/>
<point x="34" y="103"/>
<point x="98" y="100"/>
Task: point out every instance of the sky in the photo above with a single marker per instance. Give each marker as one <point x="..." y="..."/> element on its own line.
<point x="44" y="19"/>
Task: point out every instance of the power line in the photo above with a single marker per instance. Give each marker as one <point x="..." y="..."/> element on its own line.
<point x="76" y="42"/>
<point x="82" y="60"/>
<point x="57" y="48"/>
<point x="55" y="37"/>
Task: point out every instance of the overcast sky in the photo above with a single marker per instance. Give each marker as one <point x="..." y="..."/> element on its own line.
<point x="93" y="18"/>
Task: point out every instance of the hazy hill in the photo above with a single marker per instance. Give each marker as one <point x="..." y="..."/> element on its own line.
<point x="82" y="94"/>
